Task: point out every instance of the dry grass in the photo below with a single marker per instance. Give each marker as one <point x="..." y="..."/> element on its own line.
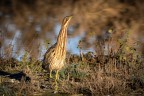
<point x="110" y="80"/>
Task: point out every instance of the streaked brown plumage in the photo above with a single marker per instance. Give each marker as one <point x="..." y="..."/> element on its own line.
<point x="55" y="56"/>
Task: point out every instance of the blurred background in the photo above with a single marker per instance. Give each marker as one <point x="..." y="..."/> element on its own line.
<point x="33" y="25"/>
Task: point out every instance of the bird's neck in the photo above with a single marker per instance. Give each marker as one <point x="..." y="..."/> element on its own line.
<point x="62" y="38"/>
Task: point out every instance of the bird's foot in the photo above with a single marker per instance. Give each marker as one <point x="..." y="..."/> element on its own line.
<point x="56" y="89"/>
<point x="55" y="92"/>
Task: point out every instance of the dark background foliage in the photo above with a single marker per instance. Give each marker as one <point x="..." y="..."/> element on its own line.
<point x="35" y="20"/>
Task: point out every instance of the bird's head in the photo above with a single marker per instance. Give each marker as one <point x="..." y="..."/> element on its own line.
<point x="66" y="21"/>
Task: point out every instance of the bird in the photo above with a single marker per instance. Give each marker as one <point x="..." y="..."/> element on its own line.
<point x="54" y="58"/>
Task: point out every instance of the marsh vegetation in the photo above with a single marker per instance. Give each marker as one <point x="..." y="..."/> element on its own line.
<point x="109" y="57"/>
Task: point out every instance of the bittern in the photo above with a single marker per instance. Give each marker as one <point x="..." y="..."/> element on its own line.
<point x="54" y="58"/>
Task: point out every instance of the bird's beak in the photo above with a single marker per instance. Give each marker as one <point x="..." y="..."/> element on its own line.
<point x="70" y="17"/>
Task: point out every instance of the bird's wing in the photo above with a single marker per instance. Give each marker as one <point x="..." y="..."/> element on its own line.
<point x="47" y="57"/>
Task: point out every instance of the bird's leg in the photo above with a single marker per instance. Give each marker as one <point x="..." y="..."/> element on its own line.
<point x="56" y="78"/>
<point x="56" y="87"/>
<point x="50" y="73"/>
<point x="57" y="75"/>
